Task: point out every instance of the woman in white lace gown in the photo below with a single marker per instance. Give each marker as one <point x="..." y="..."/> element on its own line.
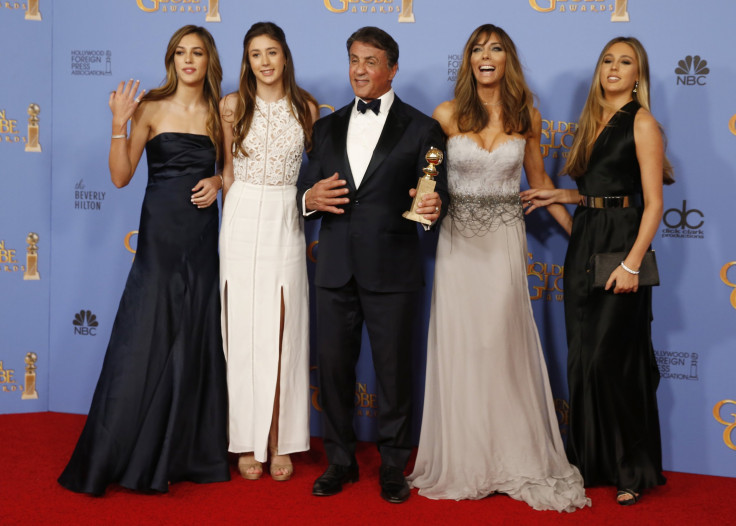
<point x="489" y="423"/>
<point x="267" y="124"/>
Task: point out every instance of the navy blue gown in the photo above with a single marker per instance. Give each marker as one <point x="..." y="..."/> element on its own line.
<point x="159" y="412"/>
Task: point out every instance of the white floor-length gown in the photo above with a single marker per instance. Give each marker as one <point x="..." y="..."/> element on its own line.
<point x="262" y="255"/>
<point x="489" y="422"/>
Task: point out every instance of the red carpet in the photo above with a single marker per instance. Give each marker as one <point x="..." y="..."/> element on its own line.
<point x="35" y="448"/>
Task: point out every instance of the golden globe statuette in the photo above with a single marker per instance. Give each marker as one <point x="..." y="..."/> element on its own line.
<point x="620" y="11"/>
<point x="32" y="12"/>
<point x="31" y="272"/>
<point x="407" y="11"/>
<point x="29" y="389"/>
<point x="213" y="12"/>
<point x="425" y="185"/>
<point x="32" y="144"/>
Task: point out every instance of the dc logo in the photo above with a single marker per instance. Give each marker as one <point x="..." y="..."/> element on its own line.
<point x="676" y="218"/>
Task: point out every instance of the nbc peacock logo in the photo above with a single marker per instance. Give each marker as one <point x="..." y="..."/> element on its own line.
<point x="85" y="323"/>
<point x="692" y="71"/>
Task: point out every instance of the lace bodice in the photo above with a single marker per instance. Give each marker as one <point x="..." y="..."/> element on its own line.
<point x="484" y="185"/>
<point x="275" y="143"/>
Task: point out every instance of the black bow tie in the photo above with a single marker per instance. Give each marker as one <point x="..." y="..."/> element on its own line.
<point x="374" y="105"/>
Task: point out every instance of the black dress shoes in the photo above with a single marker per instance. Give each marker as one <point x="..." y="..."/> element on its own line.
<point x="331" y="481"/>
<point x="394" y="487"/>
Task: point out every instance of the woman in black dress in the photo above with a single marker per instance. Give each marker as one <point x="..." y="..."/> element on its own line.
<point x="159" y="412"/>
<point x="617" y="155"/>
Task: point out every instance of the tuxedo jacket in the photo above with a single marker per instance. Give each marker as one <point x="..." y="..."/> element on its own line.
<point x="371" y="241"/>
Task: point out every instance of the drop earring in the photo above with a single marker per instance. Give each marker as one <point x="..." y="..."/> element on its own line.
<point x="636" y="86"/>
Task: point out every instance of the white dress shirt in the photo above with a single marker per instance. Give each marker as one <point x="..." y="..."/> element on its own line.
<point x="364" y="130"/>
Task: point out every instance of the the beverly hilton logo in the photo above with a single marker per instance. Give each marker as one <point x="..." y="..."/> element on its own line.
<point x="728" y="433"/>
<point x="618" y="8"/>
<point x="211" y="8"/>
<point x="725" y="279"/>
<point x="404" y="8"/>
<point x="557" y="137"/>
<point x="10" y="130"/>
<point x="85" y="323"/>
<point x="31" y="7"/>
<point x="692" y="71"/>
<point x="545" y="280"/>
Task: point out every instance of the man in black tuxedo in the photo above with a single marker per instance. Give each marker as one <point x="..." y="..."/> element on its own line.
<point x="362" y="169"/>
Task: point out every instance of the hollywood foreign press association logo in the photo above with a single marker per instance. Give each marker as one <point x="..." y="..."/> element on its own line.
<point x="692" y="71"/>
<point x="677" y="365"/>
<point x="683" y="222"/>
<point x="85" y="323"/>
<point x="91" y="62"/>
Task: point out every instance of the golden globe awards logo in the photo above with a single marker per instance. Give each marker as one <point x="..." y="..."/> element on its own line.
<point x="404" y="8"/>
<point x="366" y="402"/>
<point x="10" y="261"/>
<point x="557" y="137"/>
<point x="562" y="410"/>
<point x="211" y="8"/>
<point x="31" y="8"/>
<point x="732" y="124"/>
<point x="730" y="283"/>
<point x="11" y="130"/>
<point x="618" y="8"/>
<point x="9" y="383"/>
<point x="545" y="280"/>
<point x="128" y="241"/>
<point x="729" y="433"/>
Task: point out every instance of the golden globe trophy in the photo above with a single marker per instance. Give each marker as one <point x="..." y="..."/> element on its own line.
<point x="29" y="389"/>
<point x="407" y="11"/>
<point x="32" y="144"/>
<point x="32" y="12"/>
<point x="31" y="272"/>
<point x="213" y="12"/>
<point x="620" y="11"/>
<point x="425" y="185"/>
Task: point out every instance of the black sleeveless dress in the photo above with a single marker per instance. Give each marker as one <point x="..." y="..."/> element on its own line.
<point x="614" y="433"/>
<point x="159" y="412"/>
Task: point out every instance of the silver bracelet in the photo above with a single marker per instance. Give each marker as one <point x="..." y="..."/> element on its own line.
<point x="627" y="269"/>
<point x="123" y="136"/>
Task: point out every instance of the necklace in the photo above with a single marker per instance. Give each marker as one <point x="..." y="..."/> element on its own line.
<point x="492" y="103"/>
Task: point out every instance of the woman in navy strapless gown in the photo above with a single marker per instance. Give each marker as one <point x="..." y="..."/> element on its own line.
<point x="159" y="412"/>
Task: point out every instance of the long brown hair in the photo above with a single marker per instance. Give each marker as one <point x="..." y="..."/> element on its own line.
<point x="591" y="118"/>
<point x="212" y="81"/>
<point x="298" y="98"/>
<point x="516" y="97"/>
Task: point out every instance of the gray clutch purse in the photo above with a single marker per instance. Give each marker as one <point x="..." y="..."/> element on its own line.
<point x="602" y="265"/>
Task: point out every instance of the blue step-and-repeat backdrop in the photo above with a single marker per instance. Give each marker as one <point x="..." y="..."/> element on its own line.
<point x="68" y="237"/>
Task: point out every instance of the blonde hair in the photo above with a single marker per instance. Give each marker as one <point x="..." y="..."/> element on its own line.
<point x="516" y="97"/>
<point x="591" y="118"/>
